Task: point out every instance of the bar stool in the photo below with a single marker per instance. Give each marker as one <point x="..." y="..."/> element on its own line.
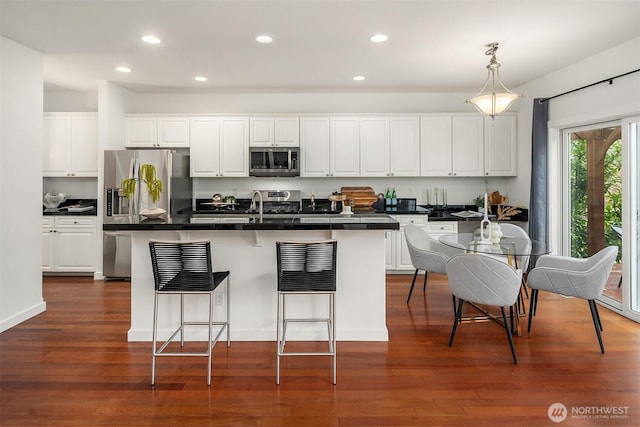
<point x="306" y="268"/>
<point x="185" y="268"/>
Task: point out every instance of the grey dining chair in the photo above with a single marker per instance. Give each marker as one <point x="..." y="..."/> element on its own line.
<point x="486" y="280"/>
<point x="512" y="230"/>
<point x="427" y="254"/>
<point x="574" y="277"/>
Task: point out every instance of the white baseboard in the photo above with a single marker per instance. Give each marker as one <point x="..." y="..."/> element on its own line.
<point x="22" y="316"/>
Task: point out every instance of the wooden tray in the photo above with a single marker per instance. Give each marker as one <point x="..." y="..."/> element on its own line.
<point x="363" y="197"/>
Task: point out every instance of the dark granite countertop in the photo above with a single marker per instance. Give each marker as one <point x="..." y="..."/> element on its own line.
<point x="63" y="209"/>
<point x="281" y="222"/>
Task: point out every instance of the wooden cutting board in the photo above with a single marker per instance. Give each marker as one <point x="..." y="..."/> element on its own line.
<point x="363" y="197"/>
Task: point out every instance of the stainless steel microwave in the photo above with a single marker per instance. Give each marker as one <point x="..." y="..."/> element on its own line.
<point x="274" y="161"/>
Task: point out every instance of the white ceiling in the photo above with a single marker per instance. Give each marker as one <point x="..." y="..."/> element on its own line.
<point x="433" y="46"/>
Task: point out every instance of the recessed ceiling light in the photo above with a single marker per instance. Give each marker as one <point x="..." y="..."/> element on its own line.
<point x="151" y="39"/>
<point x="358" y="78"/>
<point x="200" y="78"/>
<point x="123" y="69"/>
<point x="264" y="38"/>
<point x="379" y="38"/>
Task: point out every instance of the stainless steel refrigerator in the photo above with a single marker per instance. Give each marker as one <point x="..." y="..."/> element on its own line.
<point x="171" y="167"/>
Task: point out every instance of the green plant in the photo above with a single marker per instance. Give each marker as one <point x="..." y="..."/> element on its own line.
<point x="613" y="197"/>
<point x="479" y="201"/>
<point x="148" y="176"/>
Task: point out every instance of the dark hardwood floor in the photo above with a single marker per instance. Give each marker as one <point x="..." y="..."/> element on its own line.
<point x="72" y="366"/>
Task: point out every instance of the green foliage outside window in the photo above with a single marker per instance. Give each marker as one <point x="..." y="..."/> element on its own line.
<point x="612" y="197"/>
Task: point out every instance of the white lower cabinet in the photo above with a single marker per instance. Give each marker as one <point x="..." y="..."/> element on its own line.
<point x="390" y="237"/>
<point x="68" y="244"/>
<point x="439" y="228"/>
<point x="397" y="252"/>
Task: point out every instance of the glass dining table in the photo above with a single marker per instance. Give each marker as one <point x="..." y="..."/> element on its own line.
<point x="513" y="249"/>
<point x="507" y="246"/>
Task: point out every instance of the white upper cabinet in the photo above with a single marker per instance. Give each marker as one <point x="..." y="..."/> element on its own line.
<point x="261" y="132"/>
<point x="173" y="132"/>
<point x="315" y="146"/>
<point x="375" y="146"/>
<point x="234" y="146"/>
<point x="452" y="145"/>
<point x="287" y="131"/>
<point x="404" y="153"/>
<point x="157" y="132"/>
<point x="468" y="146"/>
<point x="204" y="159"/>
<point x="500" y="156"/>
<point x="435" y="146"/>
<point x="274" y="132"/>
<point x="345" y="146"/>
<point x="330" y="146"/>
<point x="389" y="146"/>
<point x="70" y="145"/>
<point x="219" y="146"/>
<point x="141" y="132"/>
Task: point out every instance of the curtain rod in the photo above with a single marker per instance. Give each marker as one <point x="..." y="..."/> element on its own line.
<point x="609" y="80"/>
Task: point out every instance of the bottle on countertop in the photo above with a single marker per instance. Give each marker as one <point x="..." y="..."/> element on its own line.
<point x="387" y="198"/>
<point x="394" y="198"/>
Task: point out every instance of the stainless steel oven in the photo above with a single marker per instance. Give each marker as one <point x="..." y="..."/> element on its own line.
<point x="274" y="161"/>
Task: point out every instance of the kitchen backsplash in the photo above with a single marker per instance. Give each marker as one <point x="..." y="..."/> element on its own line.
<point x="459" y="190"/>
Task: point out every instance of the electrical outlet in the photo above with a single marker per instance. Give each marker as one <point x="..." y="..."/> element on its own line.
<point x="220" y="298"/>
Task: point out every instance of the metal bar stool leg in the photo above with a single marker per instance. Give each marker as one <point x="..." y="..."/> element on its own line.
<point x="155" y="339"/>
<point x="333" y="326"/>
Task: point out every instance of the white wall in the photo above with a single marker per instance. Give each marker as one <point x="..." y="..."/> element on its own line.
<point x="21" y="83"/>
<point x="272" y="103"/>
<point x="70" y="101"/>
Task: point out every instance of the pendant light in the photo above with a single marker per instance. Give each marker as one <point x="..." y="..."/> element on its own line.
<point x="495" y="98"/>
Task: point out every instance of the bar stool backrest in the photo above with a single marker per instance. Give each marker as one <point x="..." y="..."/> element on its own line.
<point x="185" y="257"/>
<point x="306" y="266"/>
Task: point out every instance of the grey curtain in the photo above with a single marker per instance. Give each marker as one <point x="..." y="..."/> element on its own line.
<point x="538" y="201"/>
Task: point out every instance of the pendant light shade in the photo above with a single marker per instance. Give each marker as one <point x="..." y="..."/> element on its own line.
<point x="494" y="98"/>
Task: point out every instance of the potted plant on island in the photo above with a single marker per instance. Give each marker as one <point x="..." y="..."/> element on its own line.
<point x="154" y="190"/>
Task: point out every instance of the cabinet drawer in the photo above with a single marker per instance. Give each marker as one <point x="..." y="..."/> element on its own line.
<point x="48" y="221"/>
<point x="75" y="221"/>
<point x="235" y="220"/>
<point x="410" y="219"/>
<point x="441" y="227"/>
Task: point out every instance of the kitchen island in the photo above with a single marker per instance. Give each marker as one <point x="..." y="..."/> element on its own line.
<point x="248" y="251"/>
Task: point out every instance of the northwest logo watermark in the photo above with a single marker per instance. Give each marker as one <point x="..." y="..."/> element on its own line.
<point x="558" y="412"/>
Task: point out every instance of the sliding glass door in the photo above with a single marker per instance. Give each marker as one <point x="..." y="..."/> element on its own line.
<point x="631" y="218"/>
<point x="601" y="197"/>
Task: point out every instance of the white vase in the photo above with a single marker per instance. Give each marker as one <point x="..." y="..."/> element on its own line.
<point x="496" y="233"/>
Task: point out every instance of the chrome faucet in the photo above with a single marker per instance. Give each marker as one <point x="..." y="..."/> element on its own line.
<point x="253" y="203"/>
<point x="313" y="201"/>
